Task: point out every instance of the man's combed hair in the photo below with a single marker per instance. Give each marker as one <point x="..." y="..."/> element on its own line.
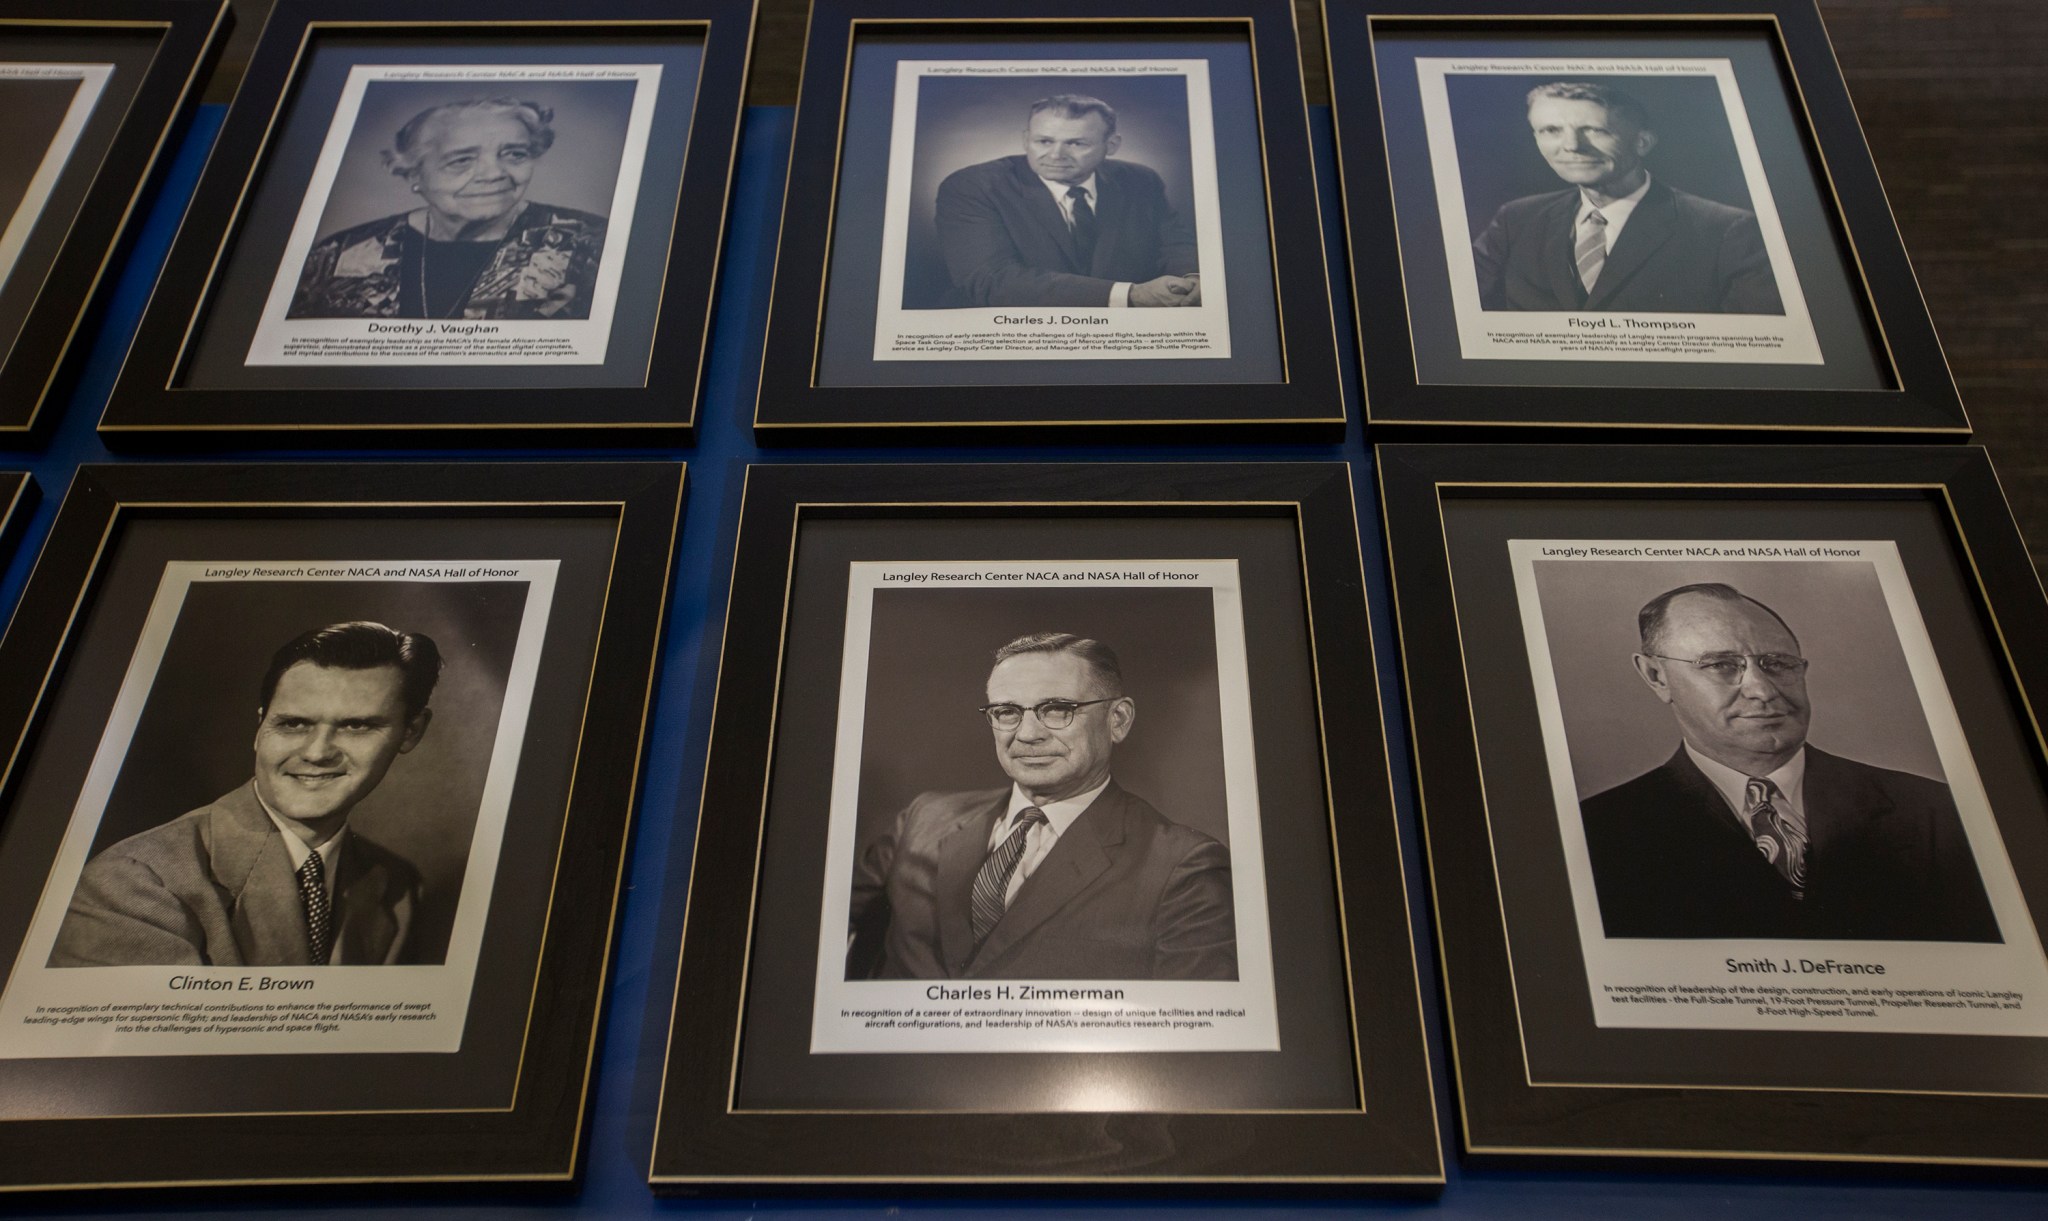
<point x="362" y="646"/>
<point x="1619" y="105"/>
<point x="1650" y="619"/>
<point x="403" y="157"/>
<point x="1076" y="106"/>
<point x="1100" y="657"/>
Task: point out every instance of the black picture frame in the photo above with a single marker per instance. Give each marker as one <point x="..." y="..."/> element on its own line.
<point x="155" y="400"/>
<point x="83" y="232"/>
<point x="188" y="1120"/>
<point x="714" y="1136"/>
<point x="1877" y="368"/>
<point x="18" y="495"/>
<point x="1518" y="968"/>
<point x="797" y="404"/>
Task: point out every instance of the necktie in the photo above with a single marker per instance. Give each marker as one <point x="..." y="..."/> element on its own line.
<point x="1084" y="227"/>
<point x="1778" y="835"/>
<point x="1591" y="253"/>
<point x="313" y="891"/>
<point x="986" y="906"/>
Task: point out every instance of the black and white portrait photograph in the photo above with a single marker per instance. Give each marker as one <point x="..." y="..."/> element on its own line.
<point x="1052" y="783"/>
<point x="1756" y="762"/>
<point x="47" y="106"/>
<point x="1609" y="210"/>
<point x="303" y="786"/>
<point x="1019" y="193"/>
<point x="463" y="197"/>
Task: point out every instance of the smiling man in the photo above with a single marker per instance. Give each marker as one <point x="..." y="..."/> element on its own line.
<point x="1749" y="831"/>
<point x="1064" y="224"/>
<point x="1616" y="238"/>
<point x="270" y="874"/>
<point x="1061" y="875"/>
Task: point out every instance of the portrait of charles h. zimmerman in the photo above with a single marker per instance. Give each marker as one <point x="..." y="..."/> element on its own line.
<point x="1061" y="874"/>
<point x="1750" y="830"/>
<point x="1617" y="237"/>
<point x="270" y="874"/>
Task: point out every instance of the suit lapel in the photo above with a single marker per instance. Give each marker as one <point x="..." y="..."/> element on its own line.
<point x="1648" y="228"/>
<point x="1046" y="215"/>
<point x="961" y="852"/>
<point x="247" y="857"/>
<point x="1079" y="857"/>
<point x="366" y="927"/>
<point x="1558" y="243"/>
<point x="1840" y="804"/>
<point x="1110" y="206"/>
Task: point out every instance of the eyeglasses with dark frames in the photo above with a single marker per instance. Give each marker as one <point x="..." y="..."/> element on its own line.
<point x="1053" y="714"/>
<point x="1728" y="669"/>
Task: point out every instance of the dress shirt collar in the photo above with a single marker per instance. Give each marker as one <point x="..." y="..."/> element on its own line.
<point x="1059" y="196"/>
<point x="1059" y="814"/>
<point x="1617" y="213"/>
<point x="1733" y="785"/>
<point x="330" y="852"/>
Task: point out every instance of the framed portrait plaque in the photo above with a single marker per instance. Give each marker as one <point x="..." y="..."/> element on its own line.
<point x="1734" y="798"/>
<point x="1037" y="219"/>
<point x="1070" y="856"/>
<point x="96" y="93"/>
<point x="318" y="788"/>
<point x="420" y="221"/>
<point x="1594" y="218"/>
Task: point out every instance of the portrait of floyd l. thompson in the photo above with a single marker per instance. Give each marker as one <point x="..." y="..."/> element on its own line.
<point x="1052" y="191"/>
<point x="469" y="200"/>
<point x="304" y="801"/>
<point x="1053" y="860"/>
<point x="1608" y="194"/>
<point x="1752" y="758"/>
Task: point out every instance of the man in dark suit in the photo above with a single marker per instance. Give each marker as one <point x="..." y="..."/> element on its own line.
<point x="270" y="874"/>
<point x="1063" y="224"/>
<point x="1062" y="875"/>
<point x="1616" y="239"/>
<point x="1748" y="831"/>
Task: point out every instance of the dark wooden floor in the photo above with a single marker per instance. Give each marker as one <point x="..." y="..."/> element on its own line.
<point x="1954" y="99"/>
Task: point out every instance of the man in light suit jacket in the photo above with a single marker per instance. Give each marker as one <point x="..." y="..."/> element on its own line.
<point x="1616" y="239"/>
<point x="1749" y="831"/>
<point x="1062" y="875"/>
<point x="270" y="874"/>
<point x="1063" y="225"/>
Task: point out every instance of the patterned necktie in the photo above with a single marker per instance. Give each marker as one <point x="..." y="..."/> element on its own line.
<point x="319" y="909"/>
<point x="1591" y="252"/>
<point x="1779" y="836"/>
<point x="1084" y="227"/>
<point x="986" y="906"/>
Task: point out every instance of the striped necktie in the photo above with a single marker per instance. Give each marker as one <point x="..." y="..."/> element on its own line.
<point x="319" y="909"/>
<point x="1591" y="253"/>
<point x="1779" y="835"/>
<point x="986" y="905"/>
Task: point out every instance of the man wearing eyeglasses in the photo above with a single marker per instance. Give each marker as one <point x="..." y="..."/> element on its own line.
<point x="1749" y="831"/>
<point x="1061" y="875"/>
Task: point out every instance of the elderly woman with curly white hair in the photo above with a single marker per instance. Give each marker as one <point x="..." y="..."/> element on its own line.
<point x="476" y="247"/>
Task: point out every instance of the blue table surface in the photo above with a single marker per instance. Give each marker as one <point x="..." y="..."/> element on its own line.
<point x="623" y="1097"/>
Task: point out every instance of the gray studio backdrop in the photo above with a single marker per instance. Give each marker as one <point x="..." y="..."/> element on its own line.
<point x="580" y="171"/>
<point x="1863" y="702"/>
<point x="928" y="668"/>
<point x="195" y="739"/>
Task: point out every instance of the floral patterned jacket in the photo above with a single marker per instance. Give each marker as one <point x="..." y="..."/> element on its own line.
<point x="546" y="267"/>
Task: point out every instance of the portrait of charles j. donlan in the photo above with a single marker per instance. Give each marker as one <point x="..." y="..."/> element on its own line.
<point x="1750" y="830"/>
<point x="478" y="244"/>
<point x="1616" y="237"/>
<point x="1060" y="874"/>
<point x="1067" y="221"/>
<point x="270" y="874"/>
